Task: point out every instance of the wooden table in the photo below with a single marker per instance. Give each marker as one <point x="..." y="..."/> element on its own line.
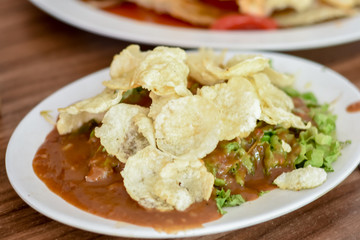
<point x="39" y="54"/>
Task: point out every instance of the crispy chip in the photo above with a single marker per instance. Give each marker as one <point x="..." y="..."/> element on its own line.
<point x="301" y="178"/>
<point x="237" y="58"/>
<point x="123" y="67"/>
<point x="145" y="127"/>
<point x="141" y="172"/>
<point x="119" y="134"/>
<point x="275" y="105"/>
<point x="188" y="126"/>
<point x="164" y="72"/>
<point x="68" y="123"/>
<point x="239" y="106"/>
<point x="158" y="102"/>
<point x="74" y="116"/>
<point x="244" y="68"/>
<point x="184" y="182"/>
<point x="157" y="180"/>
<point x="200" y="62"/>
<point x="279" y="79"/>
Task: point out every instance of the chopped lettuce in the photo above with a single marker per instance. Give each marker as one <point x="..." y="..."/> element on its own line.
<point x="134" y="95"/>
<point x="225" y="199"/>
<point x="291" y="92"/>
<point x="308" y="97"/>
<point x="318" y="149"/>
<point x="243" y="156"/>
<point x="326" y="122"/>
<point x="219" y="182"/>
<point x="231" y="147"/>
<point x="261" y="193"/>
<point x="267" y="136"/>
<point x="319" y="146"/>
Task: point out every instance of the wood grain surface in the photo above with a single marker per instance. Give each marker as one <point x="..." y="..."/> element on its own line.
<point x="39" y="54"/>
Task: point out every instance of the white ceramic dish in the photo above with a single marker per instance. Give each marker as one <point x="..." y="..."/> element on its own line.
<point x="80" y="15"/>
<point x="32" y="130"/>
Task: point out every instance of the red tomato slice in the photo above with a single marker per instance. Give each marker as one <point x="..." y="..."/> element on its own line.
<point x="243" y="22"/>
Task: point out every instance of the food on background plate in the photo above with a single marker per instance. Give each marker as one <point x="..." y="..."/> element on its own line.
<point x="176" y="137"/>
<point x="232" y="14"/>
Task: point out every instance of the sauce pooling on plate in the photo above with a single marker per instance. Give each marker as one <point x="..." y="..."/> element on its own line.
<point x="76" y="167"/>
<point x="354" y="107"/>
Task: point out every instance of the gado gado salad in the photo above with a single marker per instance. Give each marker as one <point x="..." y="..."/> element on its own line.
<point x="235" y="14"/>
<point x="176" y="137"/>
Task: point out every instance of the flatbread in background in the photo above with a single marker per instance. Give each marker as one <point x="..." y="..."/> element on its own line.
<point x="316" y="13"/>
<point x="191" y="11"/>
<point x="265" y="8"/>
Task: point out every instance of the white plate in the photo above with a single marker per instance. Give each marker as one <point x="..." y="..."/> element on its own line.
<point x="80" y="15"/>
<point x="32" y="130"/>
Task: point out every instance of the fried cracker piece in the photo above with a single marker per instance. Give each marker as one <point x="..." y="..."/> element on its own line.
<point x="275" y="105"/>
<point x="184" y="182"/>
<point x="239" y="106"/>
<point x="188" y="126"/>
<point x="164" y="72"/>
<point x="200" y="62"/>
<point x="301" y="178"/>
<point x="118" y="133"/>
<point x="158" y="180"/>
<point x="141" y="173"/>
<point x="123" y="67"/>
<point x="74" y="116"/>
<point x="145" y="127"/>
<point x="247" y="67"/>
<point x="158" y="102"/>
<point x="279" y="79"/>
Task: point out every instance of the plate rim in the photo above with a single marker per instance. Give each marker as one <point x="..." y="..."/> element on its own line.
<point x="196" y="35"/>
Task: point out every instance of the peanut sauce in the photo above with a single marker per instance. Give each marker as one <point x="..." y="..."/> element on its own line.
<point x="354" y="107"/>
<point x="76" y="167"/>
<point x="64" y="162"/>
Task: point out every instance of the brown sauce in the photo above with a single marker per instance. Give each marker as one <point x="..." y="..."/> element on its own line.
<point x="75" y="167"/>
<point x="132" y="11"/>
<point x="72" y="166"/>
<point x="260" y="180"/>
<point x="354" y="107"/>
<point x="62" y="163"/>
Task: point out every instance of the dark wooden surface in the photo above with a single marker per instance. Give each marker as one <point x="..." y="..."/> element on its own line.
<point x="39" y="54"/>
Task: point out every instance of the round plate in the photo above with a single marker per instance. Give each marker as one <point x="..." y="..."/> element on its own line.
<point x="32" y="130"/>
<point x="81" y="15"/>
